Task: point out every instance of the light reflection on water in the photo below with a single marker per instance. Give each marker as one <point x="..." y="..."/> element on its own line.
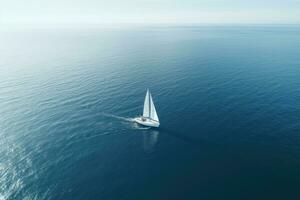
<point x="150" y="139"/>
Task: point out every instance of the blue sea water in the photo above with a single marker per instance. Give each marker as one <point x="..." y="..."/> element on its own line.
<point x="228" y="98"/>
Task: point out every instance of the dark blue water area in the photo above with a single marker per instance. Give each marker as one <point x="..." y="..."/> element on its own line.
<point x="228" y="99"/>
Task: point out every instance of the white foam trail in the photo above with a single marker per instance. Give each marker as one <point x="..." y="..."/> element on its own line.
<point x="118" y="117"/>
<point x="134" y="125"/>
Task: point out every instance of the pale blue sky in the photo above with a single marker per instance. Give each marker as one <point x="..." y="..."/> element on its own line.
<point x="149" y="11"/>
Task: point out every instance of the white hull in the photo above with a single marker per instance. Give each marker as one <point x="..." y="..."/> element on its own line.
<point x="146" y="122"/>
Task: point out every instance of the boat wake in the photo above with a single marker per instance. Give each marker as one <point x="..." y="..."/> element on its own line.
<point x="118" y="117"/>
<point x="127" y="119"/>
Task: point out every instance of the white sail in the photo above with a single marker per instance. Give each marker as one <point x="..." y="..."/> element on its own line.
<point x="149" y="117"/>
<point x="149" y="108"/>
<point x="146" y="112"/>
<point x="153" y="113"/>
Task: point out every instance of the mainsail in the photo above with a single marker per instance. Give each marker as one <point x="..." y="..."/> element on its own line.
<point x="146" y="112"/>
<point x="149" y="108"/>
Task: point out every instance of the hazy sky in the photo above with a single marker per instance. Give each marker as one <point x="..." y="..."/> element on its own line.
<point x="149" y="11"/>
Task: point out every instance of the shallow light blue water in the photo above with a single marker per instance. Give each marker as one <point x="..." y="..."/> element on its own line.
<point x="228" y="99"/>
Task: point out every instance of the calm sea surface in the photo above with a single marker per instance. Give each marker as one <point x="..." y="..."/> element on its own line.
<point x="228" y="99"/>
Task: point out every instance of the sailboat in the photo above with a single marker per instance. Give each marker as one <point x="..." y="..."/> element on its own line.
<point x="149" y="117"/>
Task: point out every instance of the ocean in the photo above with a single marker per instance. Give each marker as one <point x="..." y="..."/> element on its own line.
<point x="228" y="100"/>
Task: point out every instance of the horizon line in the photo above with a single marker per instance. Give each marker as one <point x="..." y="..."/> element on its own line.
<point x="107" y="24"/>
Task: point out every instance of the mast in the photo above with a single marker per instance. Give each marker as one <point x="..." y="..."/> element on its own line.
<point x="150" y="99"/>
